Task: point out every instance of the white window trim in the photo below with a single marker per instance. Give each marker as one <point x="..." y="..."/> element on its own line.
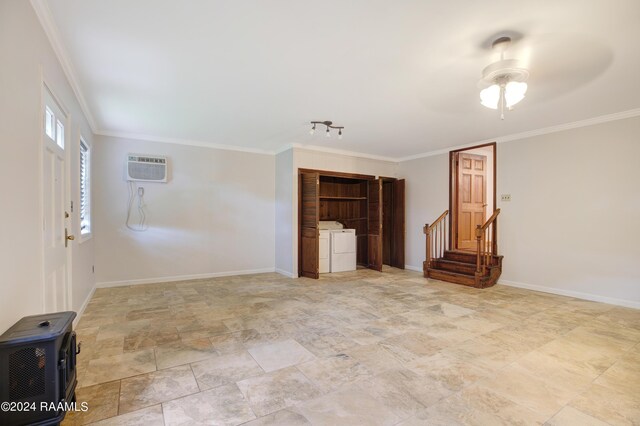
<point x="87" y="235"/>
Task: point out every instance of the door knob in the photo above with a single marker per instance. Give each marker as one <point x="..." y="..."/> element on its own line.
<point x="67" y="237"/>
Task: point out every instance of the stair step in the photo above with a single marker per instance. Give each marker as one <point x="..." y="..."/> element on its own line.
<point x="467" y="257"/>
<point x="460" y="256"/>
<point x="452" y="277"/>
<point x="453" y="266"/>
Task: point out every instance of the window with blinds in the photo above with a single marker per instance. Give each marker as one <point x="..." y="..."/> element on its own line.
<point x="85" y="206"/>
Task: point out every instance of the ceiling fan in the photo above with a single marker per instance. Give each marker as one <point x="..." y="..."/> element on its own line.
<point x="503" y="83"/>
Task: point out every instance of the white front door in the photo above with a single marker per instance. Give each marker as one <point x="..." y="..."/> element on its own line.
<point x="56" y="219"/>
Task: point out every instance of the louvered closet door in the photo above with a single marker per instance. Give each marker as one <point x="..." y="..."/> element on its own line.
<point x="375" y="224"/>
<point x="309" y="218"/>
<point x="397" y="246"/>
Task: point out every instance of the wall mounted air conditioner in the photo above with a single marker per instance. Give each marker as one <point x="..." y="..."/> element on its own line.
<point x="146" y="168"/>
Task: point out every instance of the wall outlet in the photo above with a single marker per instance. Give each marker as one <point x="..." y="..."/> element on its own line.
<point x="506" y="197"/>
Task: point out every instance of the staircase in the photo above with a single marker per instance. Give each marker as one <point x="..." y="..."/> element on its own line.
<point x="480" y="268"/>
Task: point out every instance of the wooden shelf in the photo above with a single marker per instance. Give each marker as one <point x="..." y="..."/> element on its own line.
<point x="326" y="197"/>
<point x="346" y="220"/>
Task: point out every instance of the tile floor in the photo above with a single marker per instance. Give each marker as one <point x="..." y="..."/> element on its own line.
<point x="363" y="348"/>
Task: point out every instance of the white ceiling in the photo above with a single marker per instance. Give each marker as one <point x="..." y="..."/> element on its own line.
<point x="400" y="76"/>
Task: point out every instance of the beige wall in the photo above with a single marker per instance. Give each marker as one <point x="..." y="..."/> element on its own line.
<point x="215" y="216"/>
<point x="574" y="219"/>
<point x="427" y="197"/>
<point x="285" y="177"/>
<point x="27" y="56"/>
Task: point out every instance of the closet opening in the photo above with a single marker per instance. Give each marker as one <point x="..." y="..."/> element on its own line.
<point x="369" y="212"/>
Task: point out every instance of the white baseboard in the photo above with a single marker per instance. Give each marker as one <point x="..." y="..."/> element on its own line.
<point x="413" y="268"/>
<point x="83" y="307"/>
<point x="572" y="293"/>
<point x="106" y="284"/>
<point x="285" y="273"/>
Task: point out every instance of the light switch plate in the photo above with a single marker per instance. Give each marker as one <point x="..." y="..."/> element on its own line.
<point x="506" y="197"/>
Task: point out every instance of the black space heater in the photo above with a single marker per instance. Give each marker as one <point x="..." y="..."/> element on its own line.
<point x="38" y="369"/>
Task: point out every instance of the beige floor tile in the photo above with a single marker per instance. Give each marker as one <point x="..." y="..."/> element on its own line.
<point x="478" y="407"/>
<point x="448" y="369"/>
<point x="406" y="392"/>
<point x="374" y="357"/>
<point x="610" y="405"/>
<point x="275" y="356"/>
<point x="149" y="338"/>
<point x="102" y="402"/>
<point x="277" y="390"/>
<point x="398" y="341"/>
<point x="484" y="354"/>
<point x="483" y="400"/>
<point x="156" y="387"/>
<point x="333" y="372"/>
<point x="200" y="329"/>
<point x="225" y="369"/>
<point x="107" y="369"/>
<point x="236" y="341"/>
<point x="224" y="405"/>
<point x="569" y="416"/>
<point x="476" y="325"/>
<point x="591" y="359"/>
<point x="282" y="417"/>
<point x="324" y="343"/>
<point x="352" y="405"/>
<point x="559" y="373"/>
<point x="412" y="345"/>
<point x="529" y="390"/>
<point x="450" y="311"/>
<point x="183" y="352"/>
<point x="624" y="375"/>
<point x="150" y="416"/>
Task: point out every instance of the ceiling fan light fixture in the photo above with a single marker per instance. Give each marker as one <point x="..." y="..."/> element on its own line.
<point x="503" y="83"/>
<point x="514" y="92"/>
<point x="490" y="97"/>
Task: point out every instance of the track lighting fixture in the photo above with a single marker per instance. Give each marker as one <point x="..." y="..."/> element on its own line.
<point x="329" y="125"/>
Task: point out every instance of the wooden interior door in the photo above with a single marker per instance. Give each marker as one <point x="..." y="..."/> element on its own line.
<point x="398" y="225"/>
<point x="309" y="217"/>
<point x="374" y="240"/>
<point x="472" y="198"/>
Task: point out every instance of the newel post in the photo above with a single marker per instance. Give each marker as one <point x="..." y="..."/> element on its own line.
<point x="495" y="236"/>
<point x="427" y="262"/>
<point x="479" y="246"/>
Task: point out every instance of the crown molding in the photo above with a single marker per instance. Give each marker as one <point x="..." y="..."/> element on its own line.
<point x="51" y="30"/>
<point x="531" y="133"/>
<point x="502" y="139"/>
<point x="178" y="141"/>
<point x="335" y="151"/>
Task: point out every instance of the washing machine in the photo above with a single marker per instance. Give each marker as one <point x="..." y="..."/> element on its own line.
<point x="343" y="249"/>
<point x="324" y="244"/>
<point x="324" y="255"/>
